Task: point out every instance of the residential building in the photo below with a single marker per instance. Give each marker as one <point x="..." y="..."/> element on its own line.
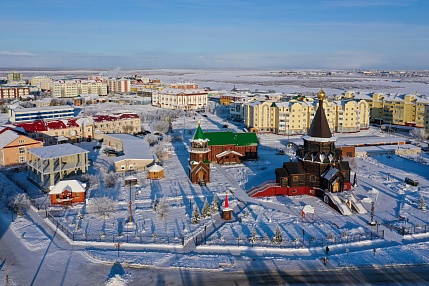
<point x="121" y="85"/>
<point x="128" y="123"/>
<point x="426" y="120"/>
<point x="29" y="114"/>
<point x="43" y="82"/>
<point x="193" y="99"/>
<point x="14" y="146"/>
<point x="73" y="88"/>
<point x="137" y="155"/>
<point x="14" y="92"/>
<point x="14" y="77"/>
<point x="49" y="165"/>
<point x="184" y="85"/>
<point x="56" y="131"/>
<point x="294" y="117"/>
<point x="397" y="109"/>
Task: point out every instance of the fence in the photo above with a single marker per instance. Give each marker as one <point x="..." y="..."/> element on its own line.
<point x="127" y="236"/>
<point x="303" y="242"/>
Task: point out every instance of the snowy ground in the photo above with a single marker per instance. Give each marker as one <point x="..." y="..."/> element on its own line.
<point x="218" y="246"/>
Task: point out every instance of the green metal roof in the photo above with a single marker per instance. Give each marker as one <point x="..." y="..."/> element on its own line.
<point x="199" y="133"/>
<point x="228" y="138"/>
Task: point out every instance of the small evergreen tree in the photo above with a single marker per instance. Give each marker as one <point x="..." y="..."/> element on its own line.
<point x="206" y="209"/>
<point x="215" y="204"/>
<point x="253" y="235"/>
<point x="196" y="215"/>
<point x="422" y="204"/>
<point x="278" y="238"/>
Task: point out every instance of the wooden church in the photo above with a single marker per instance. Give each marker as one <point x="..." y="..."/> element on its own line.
<point x="319" y="166"/>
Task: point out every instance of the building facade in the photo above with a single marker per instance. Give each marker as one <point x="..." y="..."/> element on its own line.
<point x="13" y="148"/>
<point x="73" y="88"/>
<point x="14" y="92"/>
<point x="128" y="123"/>
<point x="189" y="99"/>
<point x="48" y="112"/>
<point x="49" y="165"/>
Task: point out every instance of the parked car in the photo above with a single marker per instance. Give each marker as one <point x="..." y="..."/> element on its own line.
<point x="225" y="126"/>
<point x="96" y="147"/>
<point x="411" y="182"/>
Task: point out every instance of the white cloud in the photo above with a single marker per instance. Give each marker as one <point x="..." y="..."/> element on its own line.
<point x="17" y="53"/>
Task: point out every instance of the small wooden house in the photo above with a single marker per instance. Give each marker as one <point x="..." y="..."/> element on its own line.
<point x="67" y="192"/>
<point x="155" y="172"/>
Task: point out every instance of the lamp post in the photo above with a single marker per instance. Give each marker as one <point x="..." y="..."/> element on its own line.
<point x="131" y="212"/>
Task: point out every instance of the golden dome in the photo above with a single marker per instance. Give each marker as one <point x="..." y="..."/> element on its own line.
<point x="321" y="95"/>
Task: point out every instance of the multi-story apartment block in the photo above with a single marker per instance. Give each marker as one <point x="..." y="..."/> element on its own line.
<point x="294" y="117"/>
<point x="194" y="99"/>
<point x="351" y="116"/>
<point x="48" y="112"/>
<point x="398" y="109"/>
<point x="120" y="85"/>
<point x="43" y="82"/>
<point x="74" y="88"/>
<point x="260" y="116"/>
<point x="7" y="91"/>
<point x="116" y="123"/>
<point x="184" y="85"/>
<point x="426" y="120"/>
<point x="13" y="77"/>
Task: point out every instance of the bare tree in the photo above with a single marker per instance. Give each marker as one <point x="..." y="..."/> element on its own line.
<point x="151" y="139"/>
<point x="20" y="204"/>
<point x="163" y="209"/>
<point x="102" y="206"/>
<point x="110" y="179"/>
<point x="159" y="151"/>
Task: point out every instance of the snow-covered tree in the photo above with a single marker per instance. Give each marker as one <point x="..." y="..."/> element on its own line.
<point x="163" y="209"/>
<point x="20" y="204"/>
<point x="215" y="204"/>
<point x="102" y="206"/>
<point x="110" y="179"/>
<point x="422" y="204"/>
<point x="206" y="209"/>
<point x="278" y="237"/>
<point x="159" y="151"/>
<point x="151" y="139"/>
<point x="196" y="215"/>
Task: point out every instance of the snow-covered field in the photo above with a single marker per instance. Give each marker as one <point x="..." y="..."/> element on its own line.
<point x="174" y="242"/>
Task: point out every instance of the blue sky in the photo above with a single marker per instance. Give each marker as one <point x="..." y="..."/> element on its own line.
<point x="265" y="34"/>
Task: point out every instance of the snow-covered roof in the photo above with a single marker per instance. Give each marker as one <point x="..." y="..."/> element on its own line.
<point x="7" y="137"/>
<point x="328" y="174"/>
<point x="155" y="168"/>
<point x="134" y="148"/>
<point x="70" y="185"/>
<point x="55" y="151"/>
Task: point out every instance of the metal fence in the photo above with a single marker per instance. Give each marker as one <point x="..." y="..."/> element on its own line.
<point x="303" y="242"/>
<point x="127" y="236"/>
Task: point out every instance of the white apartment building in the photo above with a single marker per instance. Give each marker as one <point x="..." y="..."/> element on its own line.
<point x="73" y="88"/>
<point x="190" y="99"/>
<point x="43" y="82"/>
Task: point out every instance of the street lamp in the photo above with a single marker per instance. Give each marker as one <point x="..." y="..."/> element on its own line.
<point x="131" y="212"/>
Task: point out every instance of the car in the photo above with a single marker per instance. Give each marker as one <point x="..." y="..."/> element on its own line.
<point x="411" y="182"/>
<point x="96" y="147"/>
<point x="120" y="153"/>
<point x="109" y="152"/>
<point x="205" y="115"/>
<point x="225" y="126"/>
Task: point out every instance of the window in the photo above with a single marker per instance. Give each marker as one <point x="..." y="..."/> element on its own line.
<point x="21" y="150"/>
<point x="122" y="167"/>
<point x="294" y="191"/>
<point x="77" y="195"/>
<point x="312" y="178"/>
<point x="295" y="178"/>
<point x="21" y="141"/>
<point x="21" y="159"/>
